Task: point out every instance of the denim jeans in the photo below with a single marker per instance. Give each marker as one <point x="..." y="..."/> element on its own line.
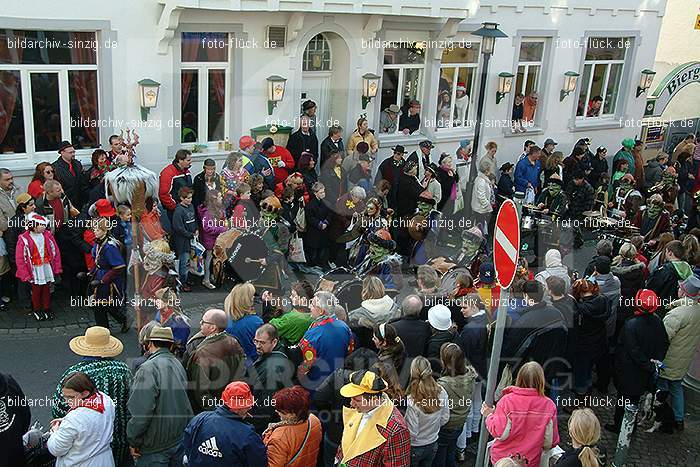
<point x="182" y="269"/>
<point x="675" y="390"/>
<point x="170" y="457"/>
<point x="447" y="448"/>
<point x="422" y="456"/>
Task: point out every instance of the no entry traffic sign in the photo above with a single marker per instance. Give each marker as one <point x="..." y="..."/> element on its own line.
<point x="506" y="243"/>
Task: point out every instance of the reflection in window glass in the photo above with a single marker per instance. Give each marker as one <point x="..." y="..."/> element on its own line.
<point x="607" y="48"/>
<point x="46" y="111"/>
<point x="612" y="88"/>
<point x="461" y="54"/>
<point x="83" y="108"/>
<point x="204" y="47"/>
<point x="11" y="113"/>
<point x="411" y="85"/>
<point x="390" y="86"/>
<point x="190" y="105"/>
<point x="443" y="117"/>
<point x="47" y="47"/>
<point x="531" y="51"/>
<point x="583" y="93"/>
<point x="217" y="90"/>
<point x="405" y="55"/>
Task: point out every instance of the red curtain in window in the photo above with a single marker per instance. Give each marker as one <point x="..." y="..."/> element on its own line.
<point x="82" y="81"/>
<point x="218" y="77"/>
<point x="9" y="89"/>
<point x="189" y="50"/>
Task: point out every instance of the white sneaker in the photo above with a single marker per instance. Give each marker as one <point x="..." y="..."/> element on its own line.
<point x="208" y="285"/>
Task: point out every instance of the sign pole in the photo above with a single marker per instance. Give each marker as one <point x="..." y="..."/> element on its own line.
<point x="506" y="251"/>
<point x="493" y="372"/>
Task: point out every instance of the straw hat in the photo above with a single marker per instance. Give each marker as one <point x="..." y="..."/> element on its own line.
<point x="97" y="342"/>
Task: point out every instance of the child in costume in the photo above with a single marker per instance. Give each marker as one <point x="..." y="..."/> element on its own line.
<point x="38" y="259"/>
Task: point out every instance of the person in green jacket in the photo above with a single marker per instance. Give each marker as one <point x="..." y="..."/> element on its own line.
<point x="458" y="381"/>
<point x="625" y="153"/>
<point x="292" y="325"/>
<point x="112" y="377"/>
<point x="159" y="406"/>
<point x="682" y="325"/>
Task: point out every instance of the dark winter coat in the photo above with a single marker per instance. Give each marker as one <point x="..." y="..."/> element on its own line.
<point x="446" y="183"/>
<point x="200" y="188"/>
<point x="684" y="170"/>
<point x="407" y="195"/>
<point x="642" y="339"/>
<point x="328" y="146"/>
<point x="414" y="332"/>
<point x="15" y="417"/>
<point x="631" y="275"/>
<point x="334" y="185"/>
<point x="598" y="167"/>
<point x="590" y="319"/>
<point x="474" y="343"/>
<point x="270" y="373"/>
<point x="391" y="172"/>
<point x="437" y="339"/>
<point x="664" y="280"/>
<point x="653" y="172"/>
<point x="539" y="335"/>
<point x="581" y="197"/>
<point x="327" y="400"/>
<point x="298" y="142"/>
<point x="74" y="186"/>
<point x="184" y="227"/>
<point x="506" y="187"/>
<point x="316" y="212"/>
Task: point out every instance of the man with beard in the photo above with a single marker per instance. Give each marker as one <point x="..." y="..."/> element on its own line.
<point x="390" y="170"/>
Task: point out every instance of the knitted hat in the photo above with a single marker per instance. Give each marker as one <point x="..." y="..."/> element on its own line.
<point x="37" y="219"/>
<point x="363" y="382"/>
<point x="461" y="87"/>
<point x="646" y="301"/>
<point x="440" y="317"/>
<point x="486" y="273"/>
<point x="237" y="396"/>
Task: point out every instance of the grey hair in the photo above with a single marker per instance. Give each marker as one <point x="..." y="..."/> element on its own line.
<point x="411" y="305"/>
<point x="49" y="184"/>
<point x="484" y="166"/>
<point x="604" y="247"/>
<point x="358" y="192"/>
<point x="340" y="312"/>
<point x="326" y="301"/>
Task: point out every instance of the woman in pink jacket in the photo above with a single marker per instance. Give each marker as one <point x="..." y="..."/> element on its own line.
<point x="524" y="421"/>
<point x="211" y="212"/>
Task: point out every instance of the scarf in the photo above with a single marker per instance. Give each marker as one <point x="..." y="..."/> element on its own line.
<point x="94" y="402"/>
<point x="34" y="250"/>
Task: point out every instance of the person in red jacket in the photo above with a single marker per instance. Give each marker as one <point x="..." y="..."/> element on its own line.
<point x="280" y="158"/>
<point x="174" y="177"/>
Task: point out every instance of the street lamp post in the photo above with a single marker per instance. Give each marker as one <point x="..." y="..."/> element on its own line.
<point x="488" y="32"/>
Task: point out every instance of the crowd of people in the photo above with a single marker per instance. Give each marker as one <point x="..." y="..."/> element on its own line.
<point x="286" y="372"/>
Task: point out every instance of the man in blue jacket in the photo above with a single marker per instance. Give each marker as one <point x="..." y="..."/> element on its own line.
<point x="221" y="437"/>
<point x="527" y="171"/>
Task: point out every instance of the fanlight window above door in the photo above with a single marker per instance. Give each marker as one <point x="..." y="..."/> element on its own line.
<point x="317" y="55"/>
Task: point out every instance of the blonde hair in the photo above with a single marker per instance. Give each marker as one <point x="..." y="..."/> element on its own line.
<point x="531" y="376"/>
<point x="627" y="251"/>
<point x="102" y="224"/>
<point x="239" y="301"/>
<point x="372" y="288"/>
<point x="423" y="388"/>
<point x="584" y="429"/>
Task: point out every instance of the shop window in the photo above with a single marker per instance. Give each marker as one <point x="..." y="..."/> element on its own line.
<point x="62" y="97"/>
<point x="203" y="86"/>
<point x="602" y="74"/>
<point x="457" y="86"/>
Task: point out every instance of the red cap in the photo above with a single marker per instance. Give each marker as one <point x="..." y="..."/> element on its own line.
<point x="237" y="396"/>
<point x="104" y="208"/>
<point x="646" y="301"/>
<point x="245" y="142"/>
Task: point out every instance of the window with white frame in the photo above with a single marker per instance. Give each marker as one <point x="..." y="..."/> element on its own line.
<point x="457" y="86"/>
<point x="402" y="82"/>
<point x="204" y="73"/>
<point x="602" y="74"/>
<point x="48" y="90"/>
<point x="527" y="78"/>
<point x="317" y="55"/>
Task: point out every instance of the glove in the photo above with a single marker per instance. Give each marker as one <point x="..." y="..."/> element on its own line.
<point x="281" y="163"/>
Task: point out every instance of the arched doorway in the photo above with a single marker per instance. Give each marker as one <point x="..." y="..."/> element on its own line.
<point x="325" y="73"/>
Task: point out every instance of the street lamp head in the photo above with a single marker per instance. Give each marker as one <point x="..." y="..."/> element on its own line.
<point x="489" y="32"/>
<point x="645" y="81"/>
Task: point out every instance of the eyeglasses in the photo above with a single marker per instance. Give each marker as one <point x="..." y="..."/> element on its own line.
<point x="201" y="322"/>
<point x="259" y="342"/>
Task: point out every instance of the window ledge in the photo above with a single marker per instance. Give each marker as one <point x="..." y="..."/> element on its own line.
<point x="530" y="132"/>
<point x="602" y="124"/>
<point x="399" y="138"/>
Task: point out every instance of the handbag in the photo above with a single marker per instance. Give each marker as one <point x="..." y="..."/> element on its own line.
<point x="300" y="219"/>
<point x="196" y="262"/>
<point x="295" y="253"/>
<point x="303" y="443"/>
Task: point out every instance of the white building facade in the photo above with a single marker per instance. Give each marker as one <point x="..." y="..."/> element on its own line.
<point x="66" y="63"/>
